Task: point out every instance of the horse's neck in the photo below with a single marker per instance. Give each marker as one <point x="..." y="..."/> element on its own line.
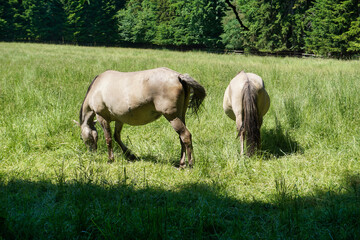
<point x="87" y="116"/>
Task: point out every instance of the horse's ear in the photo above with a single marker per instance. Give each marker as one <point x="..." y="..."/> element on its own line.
<point x="76" y="122"/>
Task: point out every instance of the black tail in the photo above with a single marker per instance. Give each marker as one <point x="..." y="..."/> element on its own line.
<point x="250" y="117"/>
<point x="82" y="105"/>
<point x="199" y="92"/>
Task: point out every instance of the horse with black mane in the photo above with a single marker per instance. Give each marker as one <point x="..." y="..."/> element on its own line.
<point x="138" y="98"/>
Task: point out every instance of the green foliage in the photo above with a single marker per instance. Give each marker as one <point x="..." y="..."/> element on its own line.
<point x="334" y="28"/>
<point x="327" y="28"/>
<point x="13" y="23"/>
<point x="92" y="22"/>
<point x="273" y="25"/>
<point x="175" y="22"/>
<point x="353" y="36"/>
<point x="47" y="20"/>
<point x="198" y="22"/>
<point x="233" y="36"/>
<point x="5" y="17"/>
<point x="137" y="23"/>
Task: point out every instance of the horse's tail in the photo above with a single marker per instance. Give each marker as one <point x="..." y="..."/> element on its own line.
<point x="82" y="105"/>
<point x="198" y="91"/>
<point x="250" y="117"/>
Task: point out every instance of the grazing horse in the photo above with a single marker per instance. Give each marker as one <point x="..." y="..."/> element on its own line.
<point x="138" y="98"/>
<point x="246" y="102"/>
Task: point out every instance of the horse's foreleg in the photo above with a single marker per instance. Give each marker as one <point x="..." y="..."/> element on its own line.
<point x="107" y="132"/>
<point x="185" y="138"/>
<point x="127" y="152"/>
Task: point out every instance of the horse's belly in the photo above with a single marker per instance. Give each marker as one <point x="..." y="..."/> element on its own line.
<point x="138" y="116"/>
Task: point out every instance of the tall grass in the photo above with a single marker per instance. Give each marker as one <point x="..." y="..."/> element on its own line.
<point x="304" y="185"/>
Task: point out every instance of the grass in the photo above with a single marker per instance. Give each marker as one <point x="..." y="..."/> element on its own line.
<point x="305" y="184"/>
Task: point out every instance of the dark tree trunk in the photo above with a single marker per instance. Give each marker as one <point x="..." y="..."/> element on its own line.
<point x="233" y="7"/>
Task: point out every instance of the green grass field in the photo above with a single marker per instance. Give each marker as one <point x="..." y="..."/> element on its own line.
<point x="305" y="184"/>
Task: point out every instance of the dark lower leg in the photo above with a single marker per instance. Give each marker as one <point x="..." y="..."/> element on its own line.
<point x="110" y="149"/>
<point x="127" y="152"/>
<point x="185" y="138"/>
<point x="183" y="154"/>
<point x="107" y="132"/>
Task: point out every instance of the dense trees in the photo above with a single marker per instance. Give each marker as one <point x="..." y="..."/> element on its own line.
<point x="334" y="27"/>
<point x="325" y="27"/>
<point x="169" y="22"/>
<point x="273" y="25"/>
<point x="93" y="23"/>
<point x="45" y="20"/>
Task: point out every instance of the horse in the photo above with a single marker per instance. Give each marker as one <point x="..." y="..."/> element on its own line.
<point x="246" y="102"/>
<point x="138" y="98"/>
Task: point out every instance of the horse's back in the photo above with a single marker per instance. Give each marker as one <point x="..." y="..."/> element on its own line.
<point x="135" y="98"/>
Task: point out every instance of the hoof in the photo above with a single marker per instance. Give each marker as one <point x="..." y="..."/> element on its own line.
<point x="130" y="157"/>
<point x="191" y="164"/>
<point x="182" y="166"/>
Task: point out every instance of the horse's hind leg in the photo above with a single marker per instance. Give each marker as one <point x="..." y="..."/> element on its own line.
<point x="183" y="152"/>
<point x="107" y="132"/>
<point x="185" y="138"/>
<point x="183" y="147"/>
<point x="241" y="133"/>
<point x="127" y="152"/>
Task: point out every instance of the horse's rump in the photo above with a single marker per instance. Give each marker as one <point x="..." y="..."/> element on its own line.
<point x="246" y="101"/>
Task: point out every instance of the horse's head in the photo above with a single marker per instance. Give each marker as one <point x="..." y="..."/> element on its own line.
<point x="90" y="137"/>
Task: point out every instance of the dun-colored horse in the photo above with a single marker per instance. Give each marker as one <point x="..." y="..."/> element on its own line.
<point x="246" y="102"/>
<point x="138" y="98"/>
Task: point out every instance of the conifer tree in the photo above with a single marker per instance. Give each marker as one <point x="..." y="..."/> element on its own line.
<point x="333" y="27"/>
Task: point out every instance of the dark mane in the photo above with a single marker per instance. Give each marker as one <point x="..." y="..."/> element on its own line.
<point x="81" y="109"/>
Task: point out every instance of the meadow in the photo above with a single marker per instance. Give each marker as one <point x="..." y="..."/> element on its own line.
<point x="304" y="184"/>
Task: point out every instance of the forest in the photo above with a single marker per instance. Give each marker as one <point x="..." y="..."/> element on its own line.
<point x="328" y="28"/>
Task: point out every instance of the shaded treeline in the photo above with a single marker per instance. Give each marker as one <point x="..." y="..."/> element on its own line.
<point x="324" y="27"/>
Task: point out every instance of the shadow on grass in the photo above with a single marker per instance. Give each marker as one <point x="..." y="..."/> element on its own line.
<point x="76" y="210"/>
<point x="278" y="142"/>
<point x="149" y="158"/>
<point x="175" y="162"/>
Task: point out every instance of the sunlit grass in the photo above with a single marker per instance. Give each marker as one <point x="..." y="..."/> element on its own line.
<point x="305" y="183"/>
